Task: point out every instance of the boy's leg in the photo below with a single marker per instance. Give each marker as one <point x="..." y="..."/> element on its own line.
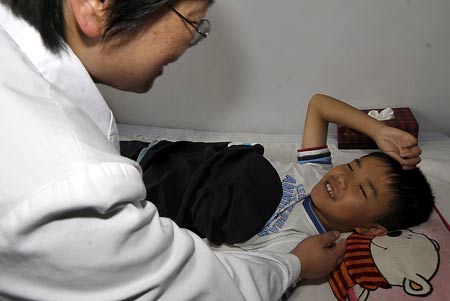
<point x="132" y="149"/>
<point x="223" y="193"/>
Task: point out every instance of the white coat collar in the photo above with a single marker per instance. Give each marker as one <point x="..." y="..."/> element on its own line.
<point x="64" y="71"/>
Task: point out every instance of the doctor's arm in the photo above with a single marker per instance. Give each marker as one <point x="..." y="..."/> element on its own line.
<point x="91" y="236"/>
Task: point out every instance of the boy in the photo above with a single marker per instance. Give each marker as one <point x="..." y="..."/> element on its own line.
<point x="371" y="195"/>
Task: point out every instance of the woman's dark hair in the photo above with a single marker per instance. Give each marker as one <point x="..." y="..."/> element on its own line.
<point x="48" y="18"/>
<point x="413" y="198"/>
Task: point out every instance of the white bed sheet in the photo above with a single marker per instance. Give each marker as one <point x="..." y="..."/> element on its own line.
<point x="435" y="164"/>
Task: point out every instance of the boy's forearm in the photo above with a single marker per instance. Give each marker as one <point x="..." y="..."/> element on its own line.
<point x="329" y="109"/>
<point x="323" y="109"/>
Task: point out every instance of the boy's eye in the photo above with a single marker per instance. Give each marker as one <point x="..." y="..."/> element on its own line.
<point x="349" y="167"/>
<point x="360" y="187"/>
<point x="363" y="192"/>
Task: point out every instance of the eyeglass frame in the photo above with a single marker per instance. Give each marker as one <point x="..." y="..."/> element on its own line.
<point x="198" y="35"/>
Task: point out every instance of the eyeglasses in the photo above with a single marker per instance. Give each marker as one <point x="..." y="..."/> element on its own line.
<point x="201" y="28"/>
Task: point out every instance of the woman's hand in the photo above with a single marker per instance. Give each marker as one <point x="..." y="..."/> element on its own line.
<point x="320" y="254"/>
<point x="400" y="145"/>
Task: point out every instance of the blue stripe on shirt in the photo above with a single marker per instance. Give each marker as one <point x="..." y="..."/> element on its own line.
<point x="307" y="204"/>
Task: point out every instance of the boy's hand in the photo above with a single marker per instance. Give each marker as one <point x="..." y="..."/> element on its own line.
<point x="400" y="145"/>
<point x="319" y="255"/>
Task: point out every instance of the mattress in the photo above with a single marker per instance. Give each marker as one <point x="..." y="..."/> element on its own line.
<point x="409" y="272"/>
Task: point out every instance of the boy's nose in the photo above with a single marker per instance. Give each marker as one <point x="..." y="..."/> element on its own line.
<point x="339" y="182"/>
<point x="343" y="181"/>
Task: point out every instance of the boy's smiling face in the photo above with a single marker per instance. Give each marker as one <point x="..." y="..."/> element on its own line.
<point x="353" y="195"/>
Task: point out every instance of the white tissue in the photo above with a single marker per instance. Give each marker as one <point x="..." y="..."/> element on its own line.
<point x="386" y="114"/>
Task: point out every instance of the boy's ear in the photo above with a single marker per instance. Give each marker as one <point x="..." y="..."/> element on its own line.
<point x="89" y="16"/>
<point x="372" y="231"/>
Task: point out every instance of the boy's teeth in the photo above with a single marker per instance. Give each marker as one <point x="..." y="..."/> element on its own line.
<point x="330" y="190"/>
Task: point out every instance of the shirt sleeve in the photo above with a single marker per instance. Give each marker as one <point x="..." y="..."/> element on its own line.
<point x="91" y="236"/>
<point x="318" y="155"/>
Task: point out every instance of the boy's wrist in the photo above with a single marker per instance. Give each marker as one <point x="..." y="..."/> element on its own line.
<point x="373" y="128"/>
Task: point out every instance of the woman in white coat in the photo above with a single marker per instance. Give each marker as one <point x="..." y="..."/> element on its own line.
<point x="74" y="224"/>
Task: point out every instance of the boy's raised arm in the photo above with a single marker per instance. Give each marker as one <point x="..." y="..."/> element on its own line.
<point x="323" y="109"/>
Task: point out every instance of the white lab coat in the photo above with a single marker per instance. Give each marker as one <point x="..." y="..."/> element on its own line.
<point x="74" y="224"/>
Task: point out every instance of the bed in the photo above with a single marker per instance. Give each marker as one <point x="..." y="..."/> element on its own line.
<point x="414" y="263"/>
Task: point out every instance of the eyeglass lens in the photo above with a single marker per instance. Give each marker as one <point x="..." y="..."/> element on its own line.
<point x="202" y="31"/>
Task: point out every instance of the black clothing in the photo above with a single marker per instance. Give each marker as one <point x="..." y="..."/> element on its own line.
<point x="226" y="194"/>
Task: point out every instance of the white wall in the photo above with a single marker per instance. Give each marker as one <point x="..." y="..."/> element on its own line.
<point x="265" y="58"/>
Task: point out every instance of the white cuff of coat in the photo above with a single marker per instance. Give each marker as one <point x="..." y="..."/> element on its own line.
<point x="295" y="264"/>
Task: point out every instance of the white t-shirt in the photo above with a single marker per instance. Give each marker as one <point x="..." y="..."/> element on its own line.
<point x="294" y="219"/>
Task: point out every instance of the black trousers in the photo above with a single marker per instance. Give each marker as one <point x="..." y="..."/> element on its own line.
<point x="226" y="194"/>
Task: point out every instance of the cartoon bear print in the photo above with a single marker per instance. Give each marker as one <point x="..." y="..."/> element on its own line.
<point x="401" y="258"/>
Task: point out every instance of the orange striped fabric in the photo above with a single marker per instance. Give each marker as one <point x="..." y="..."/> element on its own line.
<point x="357" y="267"/>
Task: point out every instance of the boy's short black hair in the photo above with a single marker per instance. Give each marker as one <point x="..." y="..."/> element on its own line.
<point x="413" y="199"/>
<point x="48" y="18"/>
